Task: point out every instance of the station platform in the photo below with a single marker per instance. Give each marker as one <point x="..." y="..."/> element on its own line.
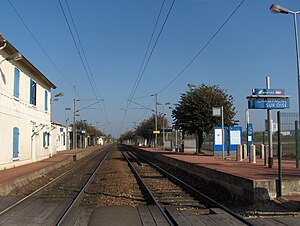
<point x="14" y="178"/>
<point x="252" y="182"/>
<point x="255" y="182"/>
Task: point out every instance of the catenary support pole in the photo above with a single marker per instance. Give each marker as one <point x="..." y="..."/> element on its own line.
<point x="279" y="156"/>
<point x="297" y="143"/>
<point x="270" y="129"/>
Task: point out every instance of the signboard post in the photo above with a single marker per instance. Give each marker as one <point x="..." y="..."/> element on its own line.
<point x="249" y="136"/>
<point x="268" y="99"/>
<point x="218" y="111"/>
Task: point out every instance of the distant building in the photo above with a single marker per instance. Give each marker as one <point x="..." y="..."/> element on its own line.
<point x="60" y="138"/>
<point x="25" y="110"/>
<point x="101" y="140"/>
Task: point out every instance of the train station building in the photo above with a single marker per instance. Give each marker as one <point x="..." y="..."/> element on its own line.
<point x="25" y="109"/>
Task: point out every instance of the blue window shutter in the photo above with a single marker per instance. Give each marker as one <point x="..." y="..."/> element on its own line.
<point x="16" y="142"/>
<point x="31" y="90"/>
<point x="44" y="139"/>
<point x="16" y="82"/>
<point x="46" y="100"/>
<point x="48" y="139"/>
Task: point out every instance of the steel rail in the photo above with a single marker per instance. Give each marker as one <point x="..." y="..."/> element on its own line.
<point x="195" y="192"/>
<point x="149" y="194"/>
<point x="43" y="187"/>
<point x="33" y="193"/>
<point x="69" y="208"/>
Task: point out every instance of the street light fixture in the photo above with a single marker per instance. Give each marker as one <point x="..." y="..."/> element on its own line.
<point x="59" y="94"/>
<point x="280" y="9"/>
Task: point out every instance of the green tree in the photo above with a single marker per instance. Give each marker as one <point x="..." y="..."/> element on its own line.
<point x="145" y="129"/>
<point x="193" y="113"/>
<point x="90" y="130"/>
<point x="129" y="135"/>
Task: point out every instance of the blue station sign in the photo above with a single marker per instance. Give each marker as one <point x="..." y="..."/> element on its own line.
<point x="271" y="92"/>
<point x="268" y="103"/>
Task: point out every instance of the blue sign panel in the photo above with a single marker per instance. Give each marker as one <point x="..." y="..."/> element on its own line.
<point x="218" y="138"/>
<point x="249" y="135"/>
<point x="235" y="137"/>
<point x="278" y="92"/>
<point x="268" y="103"/>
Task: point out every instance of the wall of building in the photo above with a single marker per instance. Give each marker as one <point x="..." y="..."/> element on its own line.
<point x="58" y="138"/>
<point x="31" y="120"/>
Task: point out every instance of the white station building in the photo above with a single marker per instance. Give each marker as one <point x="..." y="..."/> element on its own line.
<point x="24" y="110"/>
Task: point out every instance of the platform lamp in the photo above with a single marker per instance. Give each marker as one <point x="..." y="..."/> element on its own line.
<point x="67" y="128"/>
<point x="277" y="9"/>
<point x="155" y="96"/>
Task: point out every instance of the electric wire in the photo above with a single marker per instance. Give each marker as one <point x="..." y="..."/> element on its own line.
<point x="202" y="49"/>
<point x="39" y="44"/>
<point x="141" y="74"/>
<point x="81" y="54"/>
<point x="103" y="110"/>
<point x="140" y="69"/>
<point x="156" y="41"/>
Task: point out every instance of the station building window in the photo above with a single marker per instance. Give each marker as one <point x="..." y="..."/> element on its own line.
<point x="32" y="92"/>
<point x="46" y="139"/>
<point x="16" y="82"/>
<point x="46" y="100"/>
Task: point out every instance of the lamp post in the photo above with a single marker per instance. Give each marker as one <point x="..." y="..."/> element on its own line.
<point x="67" y="128"/>
<point x="75" y="114"/>
<point x="219" y="111"/>
<point x="164" y="115"/>
<point x="279" y="9"/>
<point x="55" y="98"/>
<point x="155" y="95"/>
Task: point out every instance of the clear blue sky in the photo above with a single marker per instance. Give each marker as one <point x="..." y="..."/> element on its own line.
<point x="115" y="34"/>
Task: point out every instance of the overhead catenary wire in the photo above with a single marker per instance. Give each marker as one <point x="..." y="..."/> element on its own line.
<point x="41" y="47"/>
<point x="140" y="74"/>
<point x="202" y="49"/>
<point x="82" y="55"/>
<point x="138" y="77"/>
<point x="155" y="43"/>
<point x="144" y="65"/>
<point x="39" y="44"/>
<point x="82" y="50"/>
<point x="86" y="61"/>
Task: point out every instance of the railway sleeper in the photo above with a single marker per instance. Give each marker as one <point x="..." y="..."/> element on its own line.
<point x="170" y="193"/>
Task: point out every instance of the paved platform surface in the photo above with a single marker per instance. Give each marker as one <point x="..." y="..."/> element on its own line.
<point x="244" y="169"/>
<point x="13" y="173"/>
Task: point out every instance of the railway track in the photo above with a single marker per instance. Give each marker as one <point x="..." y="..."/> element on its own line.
<point x="173" y="197"/>
<point x="51" y="204"/>
<point x="86" y="195"/>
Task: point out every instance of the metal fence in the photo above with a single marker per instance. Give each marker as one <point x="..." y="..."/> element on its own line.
<point x="289" y="124"/>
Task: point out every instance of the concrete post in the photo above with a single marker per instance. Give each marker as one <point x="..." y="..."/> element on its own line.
<point x="239" y="153"/>
<point x="252" y="155"/>
<point x="262" y="153"/>
<point x="245" y="151"/>
<point x="266" y="154"/>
